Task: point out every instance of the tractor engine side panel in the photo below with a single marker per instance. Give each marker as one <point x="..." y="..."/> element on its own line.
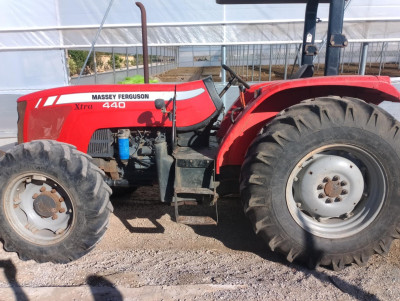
<point x="73" y="114"/>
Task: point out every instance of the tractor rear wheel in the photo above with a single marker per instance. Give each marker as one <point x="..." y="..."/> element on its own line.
<point x="320" y="182"/>
<point x="54" y="202"/>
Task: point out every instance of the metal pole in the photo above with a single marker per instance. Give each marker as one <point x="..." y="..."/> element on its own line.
<point x="223" y="60"/>
<point x="67" y="66"/>
<point x="343" y="59"/>
<point x="144" y="42"/>
<point x="178" y="57"/>
<point x="286" y="61"/>
<point x="243" y="60"/>
<point x="95" y="39"/>
<point x="157" y="61"/>
<point x="127" y="62"/>
<point x="247" y="62"/>
<point x="137" y="61"/>
<point x="209" y="52"/>
<point x="252" y="64"/>
<point x="364" y="55"/>
<point x="381" y="62"/>
<point x="237" y="58"/>
<point x="259" y="68"/>
<point x="113" y="62"/>
<point x="309" y="31"/>
<point x="373" y="51"/>
<point x="95" y="66"/>
<point x="398" y="58"/>
<point x="270" y="63"/>
<point x="351" y="54"/>
<point x="164" y="62"/>
<point x="193" y="55"/>
<point x="151" y="61"/>
<point x="335" y="27"/>
<point x="384" y="54"/>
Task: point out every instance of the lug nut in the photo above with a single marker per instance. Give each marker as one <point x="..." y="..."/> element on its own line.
<point x="55" y="216"/>
<point x="344" y="191"/>
<point x="326" y="179"/>
<point x="61" y="199"/>
<point x="320" y="186"/>
<point x="62" y="210"/>
<point x="328" y="201"/>
<point x="298" y="205"/>
<point x="335" y="178"/>
<point x="321" y="195"/>
<point x="343" y="183"/>
<point x="53" y="191"/>
<point x="42" y="189"/>
<point x="338" y="199"/>
<point x="35" y="196"/>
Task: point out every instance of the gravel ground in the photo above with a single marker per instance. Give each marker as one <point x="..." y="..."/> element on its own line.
<point x="146" y="256"/>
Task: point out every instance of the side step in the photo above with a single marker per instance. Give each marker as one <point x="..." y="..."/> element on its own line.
<point x="194" y="185"/>
<point x="193" y="219"/>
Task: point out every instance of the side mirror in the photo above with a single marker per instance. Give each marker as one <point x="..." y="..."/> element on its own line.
<point x="160" y="105"/>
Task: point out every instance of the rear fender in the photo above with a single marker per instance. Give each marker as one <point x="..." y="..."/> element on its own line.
<point x="276" y="96"/>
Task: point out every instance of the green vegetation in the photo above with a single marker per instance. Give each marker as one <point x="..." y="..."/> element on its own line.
<point x="76" y="59"/>
<point x="137" y="79"/>
<point x="104" y="62"/>
<point x="118" y="61"/>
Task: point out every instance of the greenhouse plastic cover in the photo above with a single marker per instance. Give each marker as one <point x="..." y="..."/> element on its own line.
<point x="171" y="22"/>
<point x="55" y="25"/>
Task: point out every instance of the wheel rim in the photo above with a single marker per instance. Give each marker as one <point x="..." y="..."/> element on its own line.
<point x="336" y="191"/>
<point x="39" y="208"/>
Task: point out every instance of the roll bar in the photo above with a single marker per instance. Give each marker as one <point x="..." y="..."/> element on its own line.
<point x="335" y="38"/>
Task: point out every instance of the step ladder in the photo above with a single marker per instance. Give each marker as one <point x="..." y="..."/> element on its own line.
<point x="194" y="184"/>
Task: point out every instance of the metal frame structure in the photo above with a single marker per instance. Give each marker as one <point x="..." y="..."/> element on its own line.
<point x="336" y="39"/>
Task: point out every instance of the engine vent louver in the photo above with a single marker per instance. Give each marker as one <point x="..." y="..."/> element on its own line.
<point x="100" y="144"/>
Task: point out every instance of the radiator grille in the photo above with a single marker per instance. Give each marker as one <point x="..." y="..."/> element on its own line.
<point x="100" y="144"/>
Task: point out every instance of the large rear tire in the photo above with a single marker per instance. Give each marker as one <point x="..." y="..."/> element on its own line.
<point x="54" y="202"/>
<point x="320" y="182"/>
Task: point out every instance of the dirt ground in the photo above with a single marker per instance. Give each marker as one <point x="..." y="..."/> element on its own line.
<point x="262" y="74"/>
<point x="145" y="255"/>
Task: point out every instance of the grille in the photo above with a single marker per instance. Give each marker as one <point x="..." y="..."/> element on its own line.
<point x="100" y="144"/>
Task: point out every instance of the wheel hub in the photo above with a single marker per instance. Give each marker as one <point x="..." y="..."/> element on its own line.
<point x="47" y="203"/>
<point x="333" y="189"/>
<point x="329" y="186"/>
<point x="44" y="205"/>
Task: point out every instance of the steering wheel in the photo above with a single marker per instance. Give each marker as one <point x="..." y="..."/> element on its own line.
<point x="234" y="75"/>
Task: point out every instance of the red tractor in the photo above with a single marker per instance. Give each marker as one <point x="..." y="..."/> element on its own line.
<point x="315" y="159"/>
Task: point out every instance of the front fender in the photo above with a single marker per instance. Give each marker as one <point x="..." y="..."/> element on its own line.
<point x="274" y="97"/>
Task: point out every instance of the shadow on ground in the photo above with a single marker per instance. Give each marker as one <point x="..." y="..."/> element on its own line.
<point x="10" y="271"/>
<point x="233" y="230"/>
<point x="102" y="289"/>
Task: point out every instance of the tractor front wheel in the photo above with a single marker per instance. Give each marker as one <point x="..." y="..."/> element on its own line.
<point x="320" y="182"/>
<point x="54" y="202"/>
